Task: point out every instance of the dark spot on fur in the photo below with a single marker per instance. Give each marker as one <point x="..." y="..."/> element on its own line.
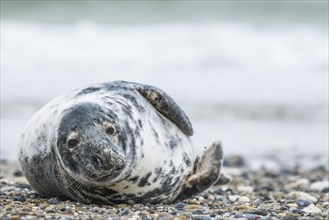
<point x="134" y="101"/>
<point x="156" y="136"/>
<point x="158" y="172"/>
<point x="186" y="159"/>
<point x="140" y="123"/>
<point x="137" y="132"/>
<point x="172" y="171"/>
<point x="88" y="90"/>
<point x="177" y="180"/>
<point x="172" y="143"/>
<point x="133" y="179"/>
<point x="126" y="108"/>
<point x="144" y="180"/>
<point x="106" y="191"/>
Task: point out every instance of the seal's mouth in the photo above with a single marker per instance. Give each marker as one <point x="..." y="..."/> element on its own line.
<point x="111" y="174"/>
<point x="108" y="177"/>
<point x="105" y="178"/>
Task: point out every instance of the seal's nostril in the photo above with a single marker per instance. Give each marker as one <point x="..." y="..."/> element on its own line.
<point x="101" y="162"/>
<point x="97" y="160"/>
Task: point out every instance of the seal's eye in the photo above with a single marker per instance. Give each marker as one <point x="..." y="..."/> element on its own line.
<point x="110" y="130"/>
<point x="72" y="143"/>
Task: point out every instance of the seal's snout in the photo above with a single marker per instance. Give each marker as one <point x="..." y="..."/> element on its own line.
<point x="107" y="165"/>
<point x="102" y="162"/>
<point x="106" y="159"/>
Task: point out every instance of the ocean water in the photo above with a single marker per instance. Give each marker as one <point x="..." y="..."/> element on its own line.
<point x="259" y="87"/>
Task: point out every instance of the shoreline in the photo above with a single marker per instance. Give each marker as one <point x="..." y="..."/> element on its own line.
<point x="286" y="192"/>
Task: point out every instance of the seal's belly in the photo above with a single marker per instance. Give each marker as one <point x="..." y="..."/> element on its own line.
<point x="164" y="160"/>
<point x="155" y="179"/>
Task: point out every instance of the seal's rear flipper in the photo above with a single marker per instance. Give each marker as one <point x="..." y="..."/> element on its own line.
<point x="223" y="179"/>
<point x="206" y="172"/>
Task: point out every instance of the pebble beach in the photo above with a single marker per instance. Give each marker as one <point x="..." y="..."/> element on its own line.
<point x="253" y="74"/>
<point x="263" y="192"/>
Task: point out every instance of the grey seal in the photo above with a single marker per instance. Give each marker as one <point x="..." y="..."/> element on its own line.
<point x="116" y="142"/>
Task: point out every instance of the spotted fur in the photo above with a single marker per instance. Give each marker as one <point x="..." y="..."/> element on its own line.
<point x="117" y="142"/>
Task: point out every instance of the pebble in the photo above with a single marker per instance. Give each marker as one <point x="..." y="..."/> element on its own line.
<point x="234" y="171"/>
<point x="237" y="198"/>
<point x="298" y="211"/>
<point x="233" y="198"/>
<point x="7" y="189"/>
<point x="192" y="207"/>
<point x="289" y="218"/>
<point x="259" y="194"/>
<point x="164" y="215"/>
<point x="234" y="161"/>
<point x="303" y="203"/>
<point x="54" y="200"/>
<point x="243" y="199"/>
<point x="247" y="189"/>
<point x="246" y="216"/>
<point x="325" y="190"/>
<point x="319" y="186"/>
<point x="24" y="186"/>
<point x="197" y="212"/>
<point x="261" y="211"/>
<point x="180" y="205"/>
<point x="325" y="204"/>
<point x="18" y="173"/>
<point x="20" y="198"/>
<point x="222" y="198"/>
<point x="312" y="209"/>
<point x="298" y="184"/>
<point x="257" y="202"/>
<point x="97" y="209"/>
<point x="303" y="196"/>
<point x="201" y="199"/>
<point x="211" y="197"/>
<point x="242" y="207"/>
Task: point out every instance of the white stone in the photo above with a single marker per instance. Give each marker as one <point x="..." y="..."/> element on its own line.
<point x="233" y="198"/>
<point x="211" y="197"/>
<point x="247" y="189"/>
<point x="233" y="171"/>
<point x="201" y="199"/>
<point x="243" y="199"/>
<point x="312" y="209"/>
<point x="237" y="198"/>
<point x="299" y="184"/>
<point x="319" y="186"/>
<point x="303" y="195"/>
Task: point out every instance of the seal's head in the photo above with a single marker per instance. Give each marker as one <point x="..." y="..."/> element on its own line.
<point x="89" y="145"/>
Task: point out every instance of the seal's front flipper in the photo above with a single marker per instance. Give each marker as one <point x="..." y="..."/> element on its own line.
<point x="162" y="102"/>
<point x="206" y="172"/>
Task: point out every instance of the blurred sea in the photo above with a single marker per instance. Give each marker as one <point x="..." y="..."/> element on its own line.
<point x="253" y="75"/>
